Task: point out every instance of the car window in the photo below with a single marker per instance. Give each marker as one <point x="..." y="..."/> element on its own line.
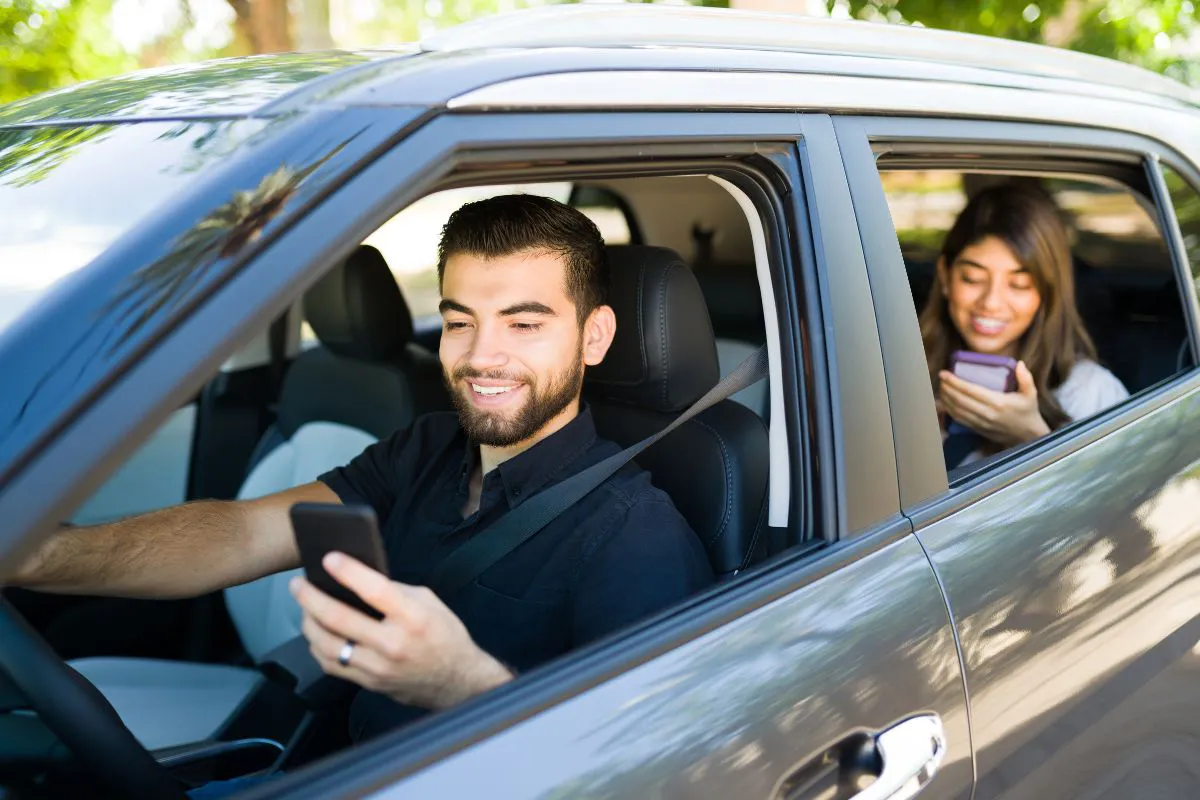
<point x="1108" y="225"/>
<point x="1120" y="271"/>
<point x="49" y="229"/>
<point x="1110" y="228"/>
<point x="608" y="210"/>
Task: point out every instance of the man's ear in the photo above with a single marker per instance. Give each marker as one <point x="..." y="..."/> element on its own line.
<point x="598" y="332"/>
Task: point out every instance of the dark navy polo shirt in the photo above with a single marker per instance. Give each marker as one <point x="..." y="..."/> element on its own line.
<point x="621" y="553"/>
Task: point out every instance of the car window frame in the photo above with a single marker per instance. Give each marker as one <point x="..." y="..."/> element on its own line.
<point x="929" y="494"/>
<point x="283" y="266"/>
<point x="439" y="737"/>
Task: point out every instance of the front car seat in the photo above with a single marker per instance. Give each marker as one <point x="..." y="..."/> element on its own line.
<point x="663" y="359"/>
<point x="364" y="381"/>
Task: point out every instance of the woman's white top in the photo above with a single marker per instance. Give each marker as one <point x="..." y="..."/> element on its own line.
<point x="1088" y="390"/>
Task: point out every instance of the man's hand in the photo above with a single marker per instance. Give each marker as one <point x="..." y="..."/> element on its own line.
<point x="1007" y="418"/>
<point x="419" y="654"/>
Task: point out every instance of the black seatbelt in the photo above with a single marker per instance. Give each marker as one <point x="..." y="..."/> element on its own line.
<point x="518" y="525"/>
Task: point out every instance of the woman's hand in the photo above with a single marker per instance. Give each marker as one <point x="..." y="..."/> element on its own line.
<point x="1007" y="418"/>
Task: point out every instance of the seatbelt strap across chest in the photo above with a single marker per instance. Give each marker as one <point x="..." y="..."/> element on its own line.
<point x="520" y="524"/>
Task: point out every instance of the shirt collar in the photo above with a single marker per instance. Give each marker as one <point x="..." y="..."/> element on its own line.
<point x="524" y="474"/>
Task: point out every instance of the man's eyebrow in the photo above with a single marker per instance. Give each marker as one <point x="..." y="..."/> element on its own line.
<point x="529" y="307"/>
<point x="450" y="305"/>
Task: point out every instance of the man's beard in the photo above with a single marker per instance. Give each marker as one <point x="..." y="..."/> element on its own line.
<point x="492" y="428"/>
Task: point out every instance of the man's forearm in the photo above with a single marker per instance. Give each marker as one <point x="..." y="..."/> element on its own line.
<point x="182" y="551"/>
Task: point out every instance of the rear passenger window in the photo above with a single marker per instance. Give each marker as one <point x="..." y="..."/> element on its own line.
<point x="1012" y="264"/>
<point x="608" y="210"/>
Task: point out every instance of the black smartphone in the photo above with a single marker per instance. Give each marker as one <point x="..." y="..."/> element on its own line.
<point x="350" y="529"/>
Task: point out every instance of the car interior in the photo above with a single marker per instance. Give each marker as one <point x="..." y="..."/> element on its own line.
<point x="202" y="683"/>
<point x="199" y="682"/>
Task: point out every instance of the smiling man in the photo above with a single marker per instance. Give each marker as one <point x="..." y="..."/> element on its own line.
<point x="523" y="280"/>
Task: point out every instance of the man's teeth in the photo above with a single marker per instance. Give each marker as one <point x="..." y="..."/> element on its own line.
<point x="490" y="390"/>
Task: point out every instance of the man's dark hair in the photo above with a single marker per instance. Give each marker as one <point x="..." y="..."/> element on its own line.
<point x="512" y="223"/>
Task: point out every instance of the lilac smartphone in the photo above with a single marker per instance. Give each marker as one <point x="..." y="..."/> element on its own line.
<point x="998" y="373"/>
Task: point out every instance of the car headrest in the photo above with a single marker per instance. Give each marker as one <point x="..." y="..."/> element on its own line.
<point x="664" y="356"/>
<point x="357" y="310"/>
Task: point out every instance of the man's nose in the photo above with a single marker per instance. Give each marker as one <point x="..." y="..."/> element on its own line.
<point x="487" y="348"/>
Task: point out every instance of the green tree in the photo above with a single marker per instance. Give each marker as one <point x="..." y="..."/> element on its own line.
<point x="46" y="44"/>
<point x="1144" y="33"/>
<point x="408" y="20"/>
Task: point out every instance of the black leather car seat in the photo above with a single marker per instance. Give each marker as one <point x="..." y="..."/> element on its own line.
<point x="367" y="372"/>
<point x="662" y="360"/>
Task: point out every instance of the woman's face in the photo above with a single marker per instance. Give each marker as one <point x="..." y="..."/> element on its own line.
<point x="991" y="297"/>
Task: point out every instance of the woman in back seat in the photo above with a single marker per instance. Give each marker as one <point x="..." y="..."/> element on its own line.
<point x="1004" y="287"/>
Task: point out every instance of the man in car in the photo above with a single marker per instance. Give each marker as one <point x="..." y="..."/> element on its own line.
<point x="523" y="281"/>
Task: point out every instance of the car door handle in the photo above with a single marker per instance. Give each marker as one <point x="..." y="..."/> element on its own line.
<point x="902" y="760"/>
<point x="910" y="754"/>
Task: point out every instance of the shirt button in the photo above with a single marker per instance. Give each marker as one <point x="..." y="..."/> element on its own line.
<point x="516" y="492"/>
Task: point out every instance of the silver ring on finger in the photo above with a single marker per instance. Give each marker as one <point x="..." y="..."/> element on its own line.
<point x="345" y="653"/>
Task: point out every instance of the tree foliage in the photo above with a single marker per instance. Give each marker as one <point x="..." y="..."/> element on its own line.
<point x="44" y="45"/>
<point x="1144" y="33"/>
<point x="408" y="20"/>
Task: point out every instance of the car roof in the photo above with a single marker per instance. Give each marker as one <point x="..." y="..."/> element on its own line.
<point x="726" y="29"/>
<point x="563" y="39"/>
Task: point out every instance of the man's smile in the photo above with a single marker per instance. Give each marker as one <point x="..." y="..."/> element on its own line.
<point x="492" y="394"/>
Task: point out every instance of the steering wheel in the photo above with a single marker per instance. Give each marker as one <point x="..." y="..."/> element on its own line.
<point x="75" y="711"/>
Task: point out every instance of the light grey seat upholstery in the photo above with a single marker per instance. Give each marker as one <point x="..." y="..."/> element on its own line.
<point x="168" y="703"/>
<point x="357" y="387"/>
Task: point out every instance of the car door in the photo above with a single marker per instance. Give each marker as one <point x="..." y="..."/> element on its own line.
<point x="782" y="682"/>
<point x="1071" y="567"/>
<point x="831" y="669"/>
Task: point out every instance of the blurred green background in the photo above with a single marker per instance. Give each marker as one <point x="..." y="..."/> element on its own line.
<point x="45" y="44"/>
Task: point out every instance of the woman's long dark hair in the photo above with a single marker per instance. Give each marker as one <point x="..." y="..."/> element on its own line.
<point x="1030" y="224"/>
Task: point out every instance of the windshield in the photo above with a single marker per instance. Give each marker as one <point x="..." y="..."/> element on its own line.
<point x="68" y="192"/>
